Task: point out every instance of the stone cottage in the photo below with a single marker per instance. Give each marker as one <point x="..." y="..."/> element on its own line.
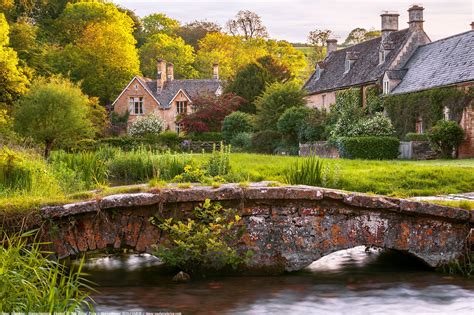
<point x="399" y="61"/>
<point x="165" y="97"/>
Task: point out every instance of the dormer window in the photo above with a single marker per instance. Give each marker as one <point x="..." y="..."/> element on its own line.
<point x="351" y="57"/>
<point x="347" y="66"/>
<point x="318" y="72"/>
<point x="386" y="87"/>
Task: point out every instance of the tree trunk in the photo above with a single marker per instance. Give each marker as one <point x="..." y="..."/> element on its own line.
<point x="47" y="148"/>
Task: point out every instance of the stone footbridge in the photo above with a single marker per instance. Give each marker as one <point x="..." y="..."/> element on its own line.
<point x="287" y="228"/>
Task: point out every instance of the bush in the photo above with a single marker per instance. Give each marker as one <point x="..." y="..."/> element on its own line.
<point x="377" y="126"/>
<point x="242" y="141"/>
<point x="236" y="123"/>
<point x="412" y="136"/>
<point x="150" y="125"/>
<point x="370" y="148"/>
<point x="265" y="141"/>
<point x="170" y="139"/>
<point x="446" y="136"/>
<point x="219" y="162"/>
<point x="290" y="122"/>
<point x="205" y="136"/>
<point x="206" y="243"/>
<point x="314" y="127"/>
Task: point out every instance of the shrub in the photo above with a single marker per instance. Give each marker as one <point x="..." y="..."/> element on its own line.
<point x="370" y="148"/>
<point x="446" y="136"/>
<point x="236" y="123"/>
<point x="206" y="243"/>
<point x="170" y="139"/>
<point x="265" y="141"/>
<point x="290" y="122"/>
<point x="412" y="136"/>
<point x="314" y="127"/>
<point x="242" y="141"/>
<point x="219" y="162"/>
<point x="205" y="136"/>
<point x="149" y="125"/>
<point x="191" y="174"/>
<point x="378" y="126"/>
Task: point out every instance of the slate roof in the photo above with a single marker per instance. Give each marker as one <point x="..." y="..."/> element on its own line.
<point x="365" y="69"/>
<point x="441" y="63"/>
<point x="193" y="88"/>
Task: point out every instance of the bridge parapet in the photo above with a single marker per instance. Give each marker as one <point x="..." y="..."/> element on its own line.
<point x="287" y="228"/>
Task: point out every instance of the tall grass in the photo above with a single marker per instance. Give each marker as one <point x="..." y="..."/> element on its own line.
<point x="219" y="162"/>
<point x="305" y="171"/>
<point x="29" y="282"/>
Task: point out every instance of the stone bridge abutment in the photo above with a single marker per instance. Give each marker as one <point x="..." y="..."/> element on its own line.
<point x="287" y="228"/>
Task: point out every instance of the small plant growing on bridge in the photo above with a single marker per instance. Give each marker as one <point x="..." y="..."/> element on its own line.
<point x="206" y="243"/>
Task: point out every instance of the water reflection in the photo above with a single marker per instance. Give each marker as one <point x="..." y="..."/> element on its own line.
<point x="346" y="282"/>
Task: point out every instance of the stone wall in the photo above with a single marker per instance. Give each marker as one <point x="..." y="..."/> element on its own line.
<point x="320" y="148"/>
<point x="287" y="228"/>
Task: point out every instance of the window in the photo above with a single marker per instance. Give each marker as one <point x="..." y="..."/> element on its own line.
<point x="136" y="87"/>
<point x="446" y="113"/>
<point x="178" y="128"/>
<point x="181" y="107"/>
<point x="419" y="125"/>
<point x="136" y="105"/>
<point x="386" y="87"/>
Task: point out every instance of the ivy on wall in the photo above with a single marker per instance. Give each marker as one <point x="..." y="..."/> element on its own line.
<point x="404" y="110"/>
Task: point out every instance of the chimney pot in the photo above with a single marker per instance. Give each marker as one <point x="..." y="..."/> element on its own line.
<point x="389" y="23"/>
<point x="331" y="46"/>
<point x="161" y="74"/>
<point x="170" y="72"/>
<point x="415" y="20"/>
<point x="215" y="71"/>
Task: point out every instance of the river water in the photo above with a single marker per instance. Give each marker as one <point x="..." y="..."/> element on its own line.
<point x="346" y="282"/>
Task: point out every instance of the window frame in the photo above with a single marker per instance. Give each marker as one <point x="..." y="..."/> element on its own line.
<point x="137" y="104"/>
<point x="181" y="107"/>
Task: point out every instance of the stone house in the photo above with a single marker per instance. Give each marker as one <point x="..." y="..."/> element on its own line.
<point x="165" y="97"/>
<point x="399" y="61"/>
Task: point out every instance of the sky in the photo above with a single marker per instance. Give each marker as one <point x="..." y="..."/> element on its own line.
<point x="292" y="20"/>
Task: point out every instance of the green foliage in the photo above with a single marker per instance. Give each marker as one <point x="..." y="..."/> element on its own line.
<point x="265" y="141"/>
<point x="205" y="136"/>
<point x="412" y="136"/>
<point x="242" y="141"/>
<point x="277" y="98"/>
<point x="369" y="148"/>
<point x="314" y="127"/>
<point x="305" y="171"/>
<point x="446" y="136"/>
<point x="376" y="125"/>
<point x="159" y="23"/>
<point x="405" y="109"/>
<point x="191" y="174"/>
<point x="149" y="125"/>
<point x="290" y="122"/>
<point x="219" y="162"/>
<point x="193" y="32"/>
<point x="31" y="282"/>
<point x="52" y="111"/>
<point x="236" y="123"/>
<point x="171" y="49"/>
<point x="206" y="243"/>
<point x="13" y="79"/>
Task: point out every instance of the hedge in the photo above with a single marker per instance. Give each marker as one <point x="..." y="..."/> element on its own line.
<point x="369" y="148"/>
<point x="205" y="136"/>
<point x="412" y="136"/>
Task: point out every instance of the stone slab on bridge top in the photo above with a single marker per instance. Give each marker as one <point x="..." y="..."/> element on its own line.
<point x="286" y="227"/>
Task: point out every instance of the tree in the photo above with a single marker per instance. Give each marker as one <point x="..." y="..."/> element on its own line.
<point x="284" y="55"/>
<point x="193" y="32"/>
<point x="277" y="98"/>
<point x="356" y="36"/>
<point x="290" y="122"/>
<point x="210" y="112"/>
<point x="314" y="127"/>
<point x="102" y="55"/>
<point x="236" y="123"/>
<point x="247" y="24"/>
<point x="446" y="136"/>
<point x="13" y="79"/>
<point x="52" y="111"/>
<point x="317" y="39"/>
<point x="171" y="49"/>
<point x="160" y="23"/>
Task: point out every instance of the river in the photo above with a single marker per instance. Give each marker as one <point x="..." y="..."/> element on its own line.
<point x="346" y="282"/>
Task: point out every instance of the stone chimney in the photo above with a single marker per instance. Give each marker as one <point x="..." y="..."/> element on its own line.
<point x="170" y="72"/>
<point x="415" y="21"/>
<point x="215" y="71"/>
<point x="331" y="46"/>
<point x="472" y="26"/>
<point x="389" y="23"/>
<point x="161" y="74"/>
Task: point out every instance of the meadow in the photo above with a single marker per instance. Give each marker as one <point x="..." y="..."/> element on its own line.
<point x="27" y="181"/>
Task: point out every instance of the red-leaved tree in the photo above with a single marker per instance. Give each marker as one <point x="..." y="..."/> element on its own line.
<point x="209" y="112"/>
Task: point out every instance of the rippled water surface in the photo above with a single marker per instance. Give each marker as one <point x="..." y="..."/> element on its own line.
<point x="346" y="282"/>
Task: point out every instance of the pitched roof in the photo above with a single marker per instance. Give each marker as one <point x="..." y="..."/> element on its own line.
<point x="365" y="69"/>
<point x="444" y="62"/>
<point x="193" y="88"/>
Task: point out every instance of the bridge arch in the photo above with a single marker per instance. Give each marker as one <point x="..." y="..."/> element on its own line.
<point x="287" y="228"/>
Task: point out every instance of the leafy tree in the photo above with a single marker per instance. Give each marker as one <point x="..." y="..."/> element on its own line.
<point x="290" y="122"/>
<point x="277" y="98"/>
<point x="52" y="111"/>
<point x="171" y="49"/>
<point x="138" y="31"/>
<point x="314" y="127"/>
<point x="372" y="33"/>
<point x="284" y="55"/>
<point x="317" y="39"/>
<point x="236" y="123"/>
<point x="13" y="79"/>
<point x="446" y="136"/>
<point x="160" y="23"/>
<point x="103" y="54"/>
<point x="359" y="35"/>
<point x="210" y="112"/>
<point x="193" y="32"/>
<point x="277" y="71"/>
<point x="247" y="24"/>
<point x="97" y="114"/>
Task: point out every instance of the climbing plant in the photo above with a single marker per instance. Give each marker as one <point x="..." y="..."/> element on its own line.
<point x="405" y="109"/>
